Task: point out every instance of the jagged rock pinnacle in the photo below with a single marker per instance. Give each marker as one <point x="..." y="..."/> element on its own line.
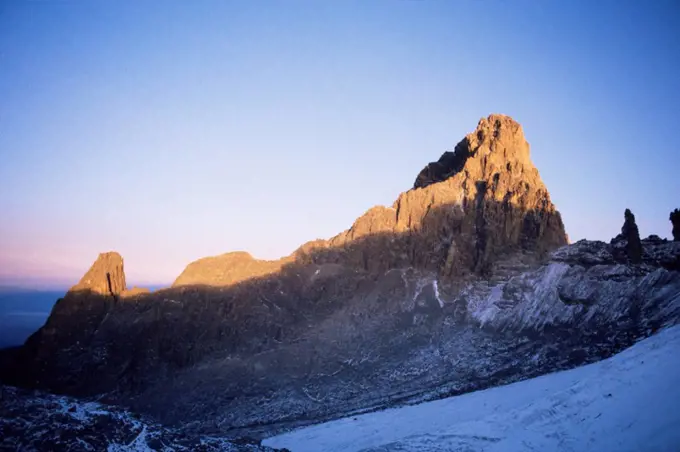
<point x="630" y="232"/>
<point x="475" y="204"/>
<point x="628" y="240"/>
<point x="482" y="200"/>
<point x="225" y="269"/>
<point x="105" y="277"/>
<point x="497" y="142"/>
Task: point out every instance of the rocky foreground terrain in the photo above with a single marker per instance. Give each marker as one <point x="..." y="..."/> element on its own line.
<point x="465" y="282"/>
<point x="31" y="420"/>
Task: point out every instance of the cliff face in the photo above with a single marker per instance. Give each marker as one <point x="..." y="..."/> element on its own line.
<point x="80" y="312"/>
<point x="627" y="244"/>
<point x="105" y="277"/>
<point x="72" y="324"/>
<point x="474" y="205"/>
<point x="480" y="202"/>
<point x="230" y="322"/>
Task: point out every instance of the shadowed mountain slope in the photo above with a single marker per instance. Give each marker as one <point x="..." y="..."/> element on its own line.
<point x="386" y="312"/>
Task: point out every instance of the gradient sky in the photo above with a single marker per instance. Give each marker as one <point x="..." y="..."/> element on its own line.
<point x="169" y="131"/>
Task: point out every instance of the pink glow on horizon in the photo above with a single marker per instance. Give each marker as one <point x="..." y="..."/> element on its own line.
<point x="172" y="134"/>
<point x="44" y="269"/>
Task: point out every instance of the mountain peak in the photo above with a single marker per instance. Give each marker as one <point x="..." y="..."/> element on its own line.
<point x="481" y="201"/>
<point x="473" y="206"/>
<point x="497" y="142"/>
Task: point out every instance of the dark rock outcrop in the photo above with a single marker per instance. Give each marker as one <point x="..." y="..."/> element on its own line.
<point x="675" y="220"/>
<point x="627" y="243"/>
<point x="72" y="324"/>
<point x="655" y="239"/>
<point x="660" y="252"/>
<point x="491" y="202"/>
<point x="448" y="165"/>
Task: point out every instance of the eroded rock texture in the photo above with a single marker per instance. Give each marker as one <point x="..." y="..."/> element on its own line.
<point x="388" y="311"/>
<point x="476" y="204"/>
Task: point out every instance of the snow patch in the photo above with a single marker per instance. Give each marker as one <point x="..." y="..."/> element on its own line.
<point x="136" y="445"/>
<point x="80" y="411"/>
<point x="436" y="293"/>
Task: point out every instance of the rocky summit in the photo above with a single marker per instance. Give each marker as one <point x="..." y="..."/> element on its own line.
<point x="105" y="277"/>
<point x="476" y="204"/>
<point x="466" y="281"/>
<point x="481" y="202"/>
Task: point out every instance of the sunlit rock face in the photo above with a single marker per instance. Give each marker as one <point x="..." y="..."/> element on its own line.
<point x="466" y="281"/>
<point x="477" y="203"/>
<point x="105" y="277"/>
<point x="627" y="244"/>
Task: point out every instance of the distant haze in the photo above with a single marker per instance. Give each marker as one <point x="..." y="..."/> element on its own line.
<point x="22" y="313"/>
<point x="176" y="130"/>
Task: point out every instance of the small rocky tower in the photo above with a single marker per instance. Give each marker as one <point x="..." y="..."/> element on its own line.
<point x="627" y="244"/>
<point x="675" y="220"/>
<point x="105" y="277"/>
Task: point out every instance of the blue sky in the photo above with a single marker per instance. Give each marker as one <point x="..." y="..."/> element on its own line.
<point x="171" y="131"/>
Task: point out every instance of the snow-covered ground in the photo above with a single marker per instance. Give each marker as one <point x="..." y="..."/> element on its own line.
<point x="628" y="402"/>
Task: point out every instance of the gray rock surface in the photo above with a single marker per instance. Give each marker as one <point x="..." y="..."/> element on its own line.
<point x="465" y="282"/>
<point x="30" y="420"/>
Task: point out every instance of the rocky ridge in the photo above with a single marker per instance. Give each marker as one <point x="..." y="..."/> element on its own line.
<point x="386" y="312"/>
<point x="105" y="277"/>
<point x="481" y="201"/>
